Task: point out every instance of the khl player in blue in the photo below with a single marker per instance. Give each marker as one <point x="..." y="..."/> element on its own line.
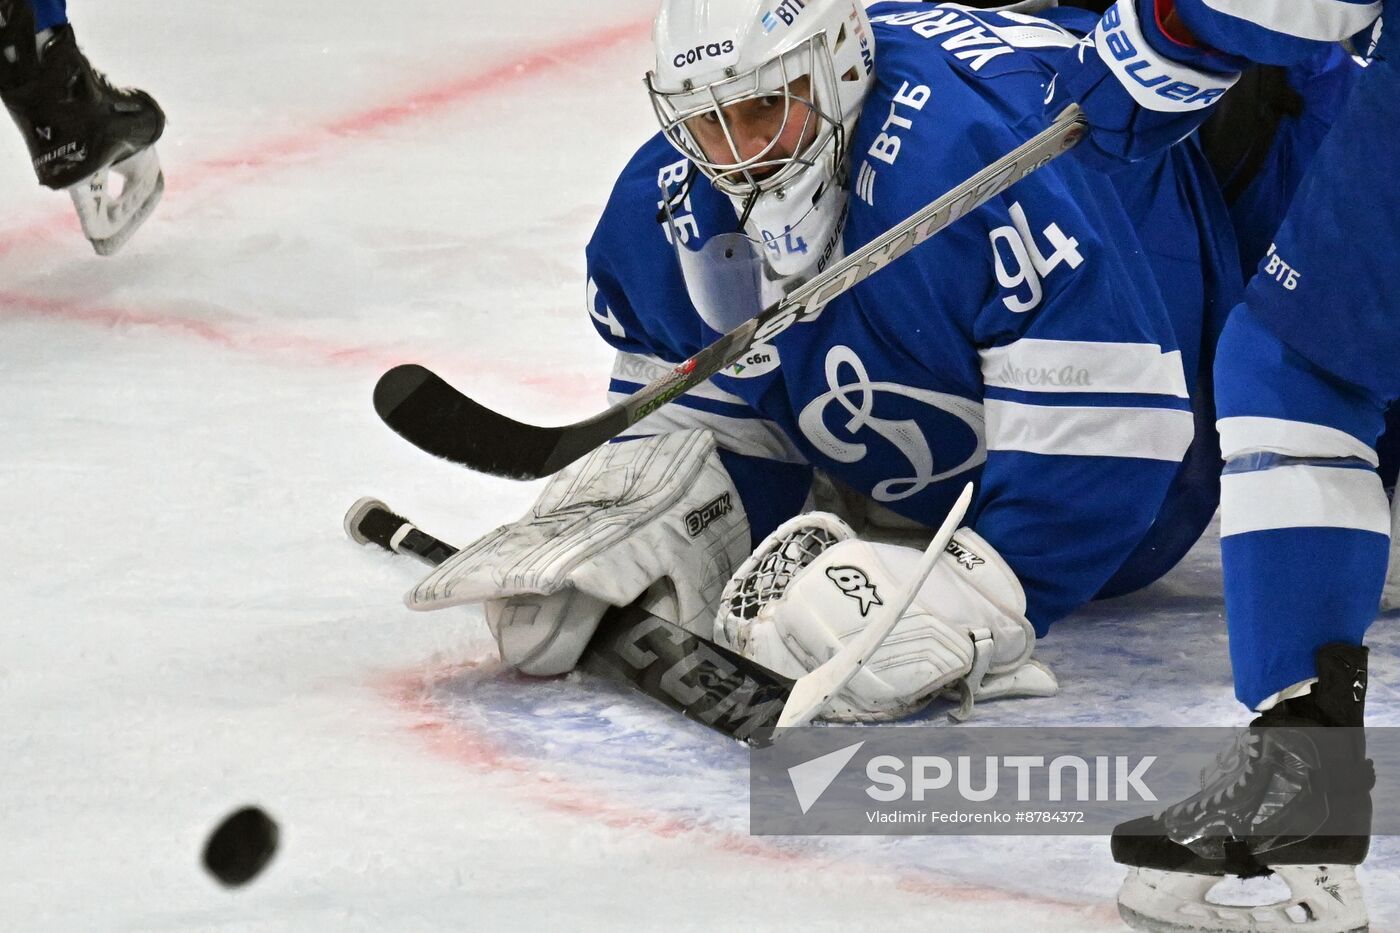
<point x="1305" y="370"/>
<point x="79" y="129"/>
<point x="1049" y="346"/>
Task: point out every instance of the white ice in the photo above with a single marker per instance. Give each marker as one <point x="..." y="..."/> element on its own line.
<point x="185" y="629"/>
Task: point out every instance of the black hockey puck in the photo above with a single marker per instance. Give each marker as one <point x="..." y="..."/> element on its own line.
<point x="241" y="846"/>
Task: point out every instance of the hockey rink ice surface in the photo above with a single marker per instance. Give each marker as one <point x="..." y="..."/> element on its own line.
<point x="185" y="628"/>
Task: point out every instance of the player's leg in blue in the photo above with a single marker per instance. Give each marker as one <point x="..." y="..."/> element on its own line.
<point x="1305" y="370"/>
<point x="1316" y="347"/>
<point x="1305" y="522"/>
<point x="1304" y="541"/>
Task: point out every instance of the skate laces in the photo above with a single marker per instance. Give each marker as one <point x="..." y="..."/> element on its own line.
<point x="1220" y="782"/>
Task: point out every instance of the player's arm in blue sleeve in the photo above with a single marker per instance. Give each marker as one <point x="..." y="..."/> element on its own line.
<point x="1150" y="70"/>
<point x="770" y="474"/>
<point x="1141" y="87"/>
<point x="1086" y="401"/>
<point x="1281" y="32"/>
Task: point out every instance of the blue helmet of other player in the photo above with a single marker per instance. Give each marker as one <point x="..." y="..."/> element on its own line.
<point x="762" y="96"/>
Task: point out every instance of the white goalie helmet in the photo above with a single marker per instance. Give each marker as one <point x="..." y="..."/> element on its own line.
<point x="761" y="96"/>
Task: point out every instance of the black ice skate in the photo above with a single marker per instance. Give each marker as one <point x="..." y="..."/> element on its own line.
<point x="80" y="129"/>
<point x="1291" y="798"/>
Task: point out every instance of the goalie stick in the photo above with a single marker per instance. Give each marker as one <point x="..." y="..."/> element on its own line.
<point x="725" y="691"/>
<point x="433" y="416"/>
<point x="704" y="681"/>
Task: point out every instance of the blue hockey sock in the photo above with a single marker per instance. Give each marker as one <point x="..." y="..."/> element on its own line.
<point x="1289" y="590"/>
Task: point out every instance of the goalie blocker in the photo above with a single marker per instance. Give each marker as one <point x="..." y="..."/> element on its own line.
<point x="657" y="522"/>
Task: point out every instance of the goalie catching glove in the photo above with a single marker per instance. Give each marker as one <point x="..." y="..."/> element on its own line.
<point x="658" y="514"/>
<point x="812" y="586"/>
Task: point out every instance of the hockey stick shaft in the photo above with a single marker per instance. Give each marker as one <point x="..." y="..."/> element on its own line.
<point x="702" y="680"/>
<point x="815" y="689"/>
<point x="438" y="419"/>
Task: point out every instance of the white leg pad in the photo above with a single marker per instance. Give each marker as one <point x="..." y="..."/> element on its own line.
<point x="629" y="516"/>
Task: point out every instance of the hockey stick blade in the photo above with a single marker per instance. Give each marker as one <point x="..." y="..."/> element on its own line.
<point x="436" y="418"/>
<point x="427" y="412"/>
<point x="815" y="689"/>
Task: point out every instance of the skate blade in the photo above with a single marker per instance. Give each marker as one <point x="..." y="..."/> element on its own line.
<point x="109" y="221"/>
<point x="1322" y="899"/>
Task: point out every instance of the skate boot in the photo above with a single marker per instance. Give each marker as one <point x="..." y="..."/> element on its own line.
<point x="1291" y="799"/>
<point x="81" y="130"/>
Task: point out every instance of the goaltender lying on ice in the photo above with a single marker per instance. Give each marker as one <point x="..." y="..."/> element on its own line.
<point x="1050" y="346"/>
<point x="901" y="390"/>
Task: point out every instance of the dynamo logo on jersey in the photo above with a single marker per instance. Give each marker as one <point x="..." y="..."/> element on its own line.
<point x="851" y="392"/>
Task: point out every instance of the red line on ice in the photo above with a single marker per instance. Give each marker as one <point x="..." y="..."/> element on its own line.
<point x="454" y="740"/>
<point x="253" y="339"/>
<point x="294" y="150"/>
<point x="424" y="102"/>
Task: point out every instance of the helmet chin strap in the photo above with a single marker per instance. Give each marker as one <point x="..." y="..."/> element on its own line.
<point x="749" y="203"/>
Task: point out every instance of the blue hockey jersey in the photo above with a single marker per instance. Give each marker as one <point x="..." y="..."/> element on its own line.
<point x="1045" y="346"/>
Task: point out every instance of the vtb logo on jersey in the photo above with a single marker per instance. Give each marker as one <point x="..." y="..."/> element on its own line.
<point x="853" y="583"/>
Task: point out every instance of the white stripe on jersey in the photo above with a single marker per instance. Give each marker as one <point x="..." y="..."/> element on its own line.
<point x="1143" y="433"/>
<point x="1317" y="497"/>
<point x="752" y="437"/>
<point x="1253" y="434"/>
<point x="635" y="367"/>
<point x="1029" y="32"/>
<point x="1035" y="365"/>
<point x="1320" y="20"/>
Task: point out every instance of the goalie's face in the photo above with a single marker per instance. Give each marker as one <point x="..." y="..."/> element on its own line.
<point x="758" y="135"/>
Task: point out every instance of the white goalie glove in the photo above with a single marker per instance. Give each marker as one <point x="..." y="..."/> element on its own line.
<point x="812" y="585"/>
<point x="660" y="510"/>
